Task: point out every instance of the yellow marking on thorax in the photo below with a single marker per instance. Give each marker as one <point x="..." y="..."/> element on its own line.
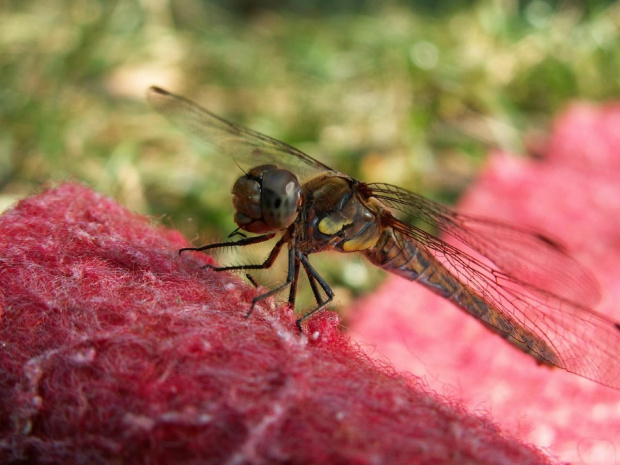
<point x="360" y="242"/>
<point x="334" y="223"/>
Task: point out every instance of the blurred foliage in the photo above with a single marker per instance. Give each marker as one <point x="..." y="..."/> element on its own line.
<point x="408" y="92"/>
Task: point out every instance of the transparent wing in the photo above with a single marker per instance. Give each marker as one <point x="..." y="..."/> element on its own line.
<point x="527" y="256"/>
<point x="581" y="340"/>
<point x="246" y="147"/>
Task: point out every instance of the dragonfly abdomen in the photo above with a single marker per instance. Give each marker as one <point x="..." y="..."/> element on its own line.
<point x="400" y="255"/>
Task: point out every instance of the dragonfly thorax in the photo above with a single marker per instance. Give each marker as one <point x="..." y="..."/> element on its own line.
<point x="267" y="198"/>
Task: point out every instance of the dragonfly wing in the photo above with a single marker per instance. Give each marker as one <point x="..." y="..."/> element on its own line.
<point x="248" y="148"/>
<point x="580" y="340"/>
<point x="527" y="256"/>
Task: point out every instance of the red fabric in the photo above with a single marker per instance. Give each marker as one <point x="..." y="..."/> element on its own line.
<point x="574" y="193"/>
<point x="115" y="350"/>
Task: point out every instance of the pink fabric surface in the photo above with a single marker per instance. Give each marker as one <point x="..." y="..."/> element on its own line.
<point x="113" y="349"/>
<point x="573" y="193"/>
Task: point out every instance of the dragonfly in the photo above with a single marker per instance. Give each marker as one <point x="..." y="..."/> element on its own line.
<point x="519" y="283"/>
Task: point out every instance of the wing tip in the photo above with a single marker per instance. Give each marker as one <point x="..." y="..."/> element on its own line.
<point x="158" y="97"/>
<point x="156" y="90"/>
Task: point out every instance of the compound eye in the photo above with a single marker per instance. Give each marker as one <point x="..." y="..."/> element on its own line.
<point x="280" y="199"/>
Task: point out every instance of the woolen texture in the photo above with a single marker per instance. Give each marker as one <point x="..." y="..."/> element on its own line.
<point x="116" y="350"/>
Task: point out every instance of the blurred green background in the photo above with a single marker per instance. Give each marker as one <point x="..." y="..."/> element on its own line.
<point x="411" y="93"/>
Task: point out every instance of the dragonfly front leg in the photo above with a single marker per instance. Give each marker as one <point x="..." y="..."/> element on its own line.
<point x="266" y="264"/>
<point x="240" y="243"/>
<point x="314" y="277"/>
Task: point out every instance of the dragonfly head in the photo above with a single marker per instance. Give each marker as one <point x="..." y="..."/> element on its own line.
<point x="267" y="198"/>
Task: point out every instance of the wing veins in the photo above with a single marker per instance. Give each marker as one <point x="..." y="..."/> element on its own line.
<point x="585" y="342"/>
<point x="523" y="253"/>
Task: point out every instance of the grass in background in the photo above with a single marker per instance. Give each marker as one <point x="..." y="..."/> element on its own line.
<point x="391" y="92"/>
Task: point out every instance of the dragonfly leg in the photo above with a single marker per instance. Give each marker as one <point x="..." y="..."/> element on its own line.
<point x="240" y="243"/>
<point x="314" y="286"/>
<point x="293" y="294"/>
<point x="266" y="264"/>
<point x="314" y="277"/>
<point x="290" y="277"/>
<point x="236" y="232"/>
<point x="252" y="280"/>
